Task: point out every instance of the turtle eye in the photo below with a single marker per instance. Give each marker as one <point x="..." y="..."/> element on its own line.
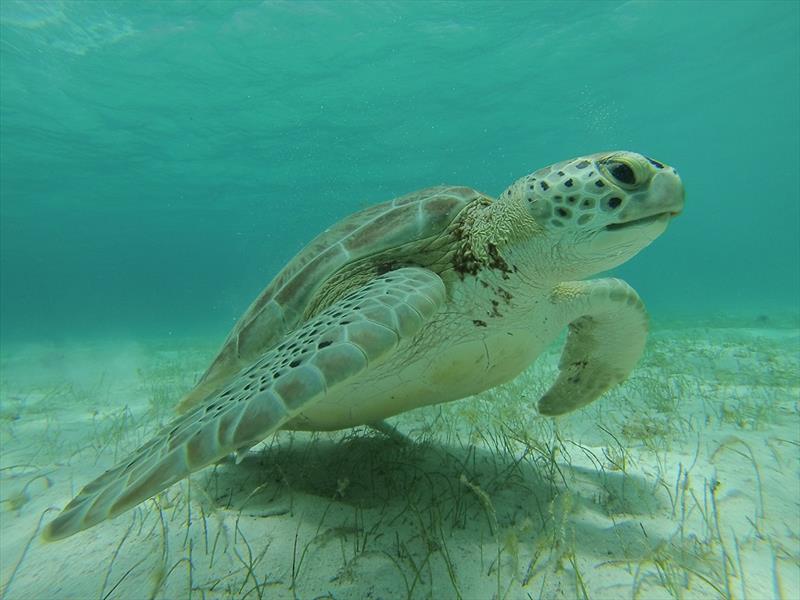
<point x="621" y="172"/>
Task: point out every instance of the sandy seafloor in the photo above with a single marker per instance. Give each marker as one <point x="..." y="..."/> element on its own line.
<point x="682" y="483"/>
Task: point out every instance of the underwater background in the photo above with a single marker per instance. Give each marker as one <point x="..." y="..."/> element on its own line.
<point x="161" y="161"/>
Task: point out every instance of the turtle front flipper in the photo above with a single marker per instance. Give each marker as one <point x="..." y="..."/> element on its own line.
<point x="336" y="345"/>
<point x="607" y="333"/>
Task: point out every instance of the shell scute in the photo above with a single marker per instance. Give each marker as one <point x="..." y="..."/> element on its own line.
<point x="394" y="226"/>
<point x="281" y="306"/>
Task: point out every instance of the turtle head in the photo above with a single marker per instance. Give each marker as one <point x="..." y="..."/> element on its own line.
<point x="598" y="211"/>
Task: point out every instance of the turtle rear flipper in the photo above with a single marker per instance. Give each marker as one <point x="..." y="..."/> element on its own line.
<point x="338" y="344"/>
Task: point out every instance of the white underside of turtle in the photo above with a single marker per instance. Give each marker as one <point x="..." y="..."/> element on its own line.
<point x="428" y="298"/>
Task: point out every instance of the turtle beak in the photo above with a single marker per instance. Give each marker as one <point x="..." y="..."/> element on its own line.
<point x="664" y="201"/>
<point x="666" y="193"/>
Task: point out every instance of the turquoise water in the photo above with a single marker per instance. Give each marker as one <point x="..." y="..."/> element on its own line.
<point x="161" y="161"/>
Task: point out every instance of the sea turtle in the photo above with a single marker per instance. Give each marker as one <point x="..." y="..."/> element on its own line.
<point x="427" y="298"/>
